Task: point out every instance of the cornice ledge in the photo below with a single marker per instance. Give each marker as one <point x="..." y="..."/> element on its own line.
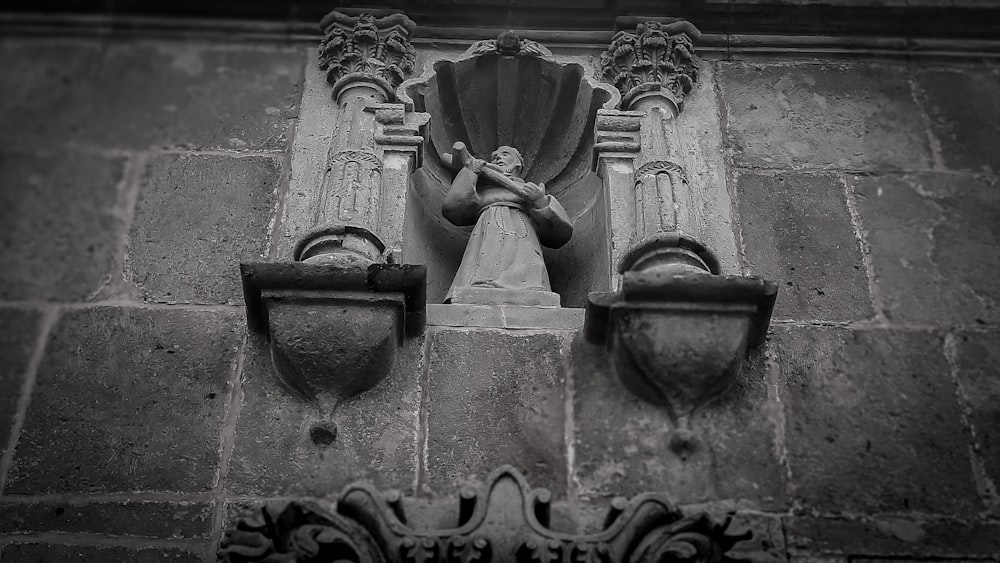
<point x="711" y="46"/>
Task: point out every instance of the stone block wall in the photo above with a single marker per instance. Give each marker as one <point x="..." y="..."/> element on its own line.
<point x="137" y="416"/>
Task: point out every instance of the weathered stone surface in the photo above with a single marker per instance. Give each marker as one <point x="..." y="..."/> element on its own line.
<point x="17" y="341"/>
<point x="132" y="95"/>
<point x="872" y="421"/>
<point x="888" y="536"/>
<point x="287" y="446"/>
<point x="797" y="232"/>
<point x="964" y="108"/>
<point x="62" y="221"/>
<point x="37" y="87"/>
<point x="198" y="217"/>
<point x="148" y="519"/>
<point x="127" y="400"/>
<point x="933" y="240"/>
<point x="45" y="553"/>
<point x="622" y="444"/>
<point x="843" y="116"/>
<point x="495" y="397"/>
<point x="977" y="355"/>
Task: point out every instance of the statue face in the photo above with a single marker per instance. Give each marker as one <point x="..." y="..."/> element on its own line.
<point x="508" y="159"/>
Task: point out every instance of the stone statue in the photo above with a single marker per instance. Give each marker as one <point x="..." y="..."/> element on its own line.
<point x="503" y="262"/>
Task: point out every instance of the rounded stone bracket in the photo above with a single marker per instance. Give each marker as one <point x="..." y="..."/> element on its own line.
<point x="332" y="329"/>
<point x="677" y="332"/>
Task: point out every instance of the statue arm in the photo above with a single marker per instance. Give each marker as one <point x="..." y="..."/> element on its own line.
<point x="462" y="203"/>
<point x="552" y="224"/>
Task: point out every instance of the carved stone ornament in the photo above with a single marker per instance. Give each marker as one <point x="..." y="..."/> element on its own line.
<point x="366" y="48"/>
<point x="508" y="44"/>
<point x="658" y="57"/>
<point x="500" y="521"/>
<point x="677" y="332"/>
<point x="333" y="331"/>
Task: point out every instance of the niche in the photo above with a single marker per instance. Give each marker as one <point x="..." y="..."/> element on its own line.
<point x="545" y="109"/>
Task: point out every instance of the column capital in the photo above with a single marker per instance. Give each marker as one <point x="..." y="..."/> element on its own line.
<point x="362" y="48"/>
<point x="651" y="58"/>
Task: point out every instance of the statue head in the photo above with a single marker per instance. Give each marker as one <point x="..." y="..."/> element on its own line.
<point x="508" y="159"/>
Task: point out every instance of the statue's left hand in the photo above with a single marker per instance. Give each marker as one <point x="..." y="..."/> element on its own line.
<point x="534" y="193"/>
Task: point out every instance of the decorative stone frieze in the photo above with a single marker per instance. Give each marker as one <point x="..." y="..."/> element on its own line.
<point x="655" y="59"/>
<point x="364" y="48"/>
<point x="500" y="521"/>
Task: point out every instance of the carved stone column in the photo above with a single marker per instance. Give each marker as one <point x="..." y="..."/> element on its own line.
<point x="336" y="314"/>
<point x="677" y="330"/>
<point x="652" y="65"/>
<point x="365" y="59"/>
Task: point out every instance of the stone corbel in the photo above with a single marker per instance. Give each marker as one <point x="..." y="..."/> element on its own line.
<point x="677" y="332"/>
<point x="336" y="314"/>
<point x="333" y="331"/>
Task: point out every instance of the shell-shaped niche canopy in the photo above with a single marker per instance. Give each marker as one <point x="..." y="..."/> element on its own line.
<point x="527" y="100"/>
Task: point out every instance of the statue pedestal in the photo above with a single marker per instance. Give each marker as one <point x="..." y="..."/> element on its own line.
<point x="497" y="296"/>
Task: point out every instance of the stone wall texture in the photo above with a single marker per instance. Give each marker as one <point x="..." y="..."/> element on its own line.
<point x="137" y="417"/>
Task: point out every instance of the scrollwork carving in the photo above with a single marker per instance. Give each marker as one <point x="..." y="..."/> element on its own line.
<point x="419" y="550"/>
<point x="496" y="526"/>
<point x="468" y="550"/>
<point x="297" y="531"/>
<point x="589" y="553"/>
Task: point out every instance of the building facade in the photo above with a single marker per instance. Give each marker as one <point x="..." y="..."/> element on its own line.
<point x="828" y="380"/>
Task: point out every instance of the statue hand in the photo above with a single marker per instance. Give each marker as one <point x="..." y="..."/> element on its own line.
<point x="475" y="164"/>
<point x="534" y="193"/>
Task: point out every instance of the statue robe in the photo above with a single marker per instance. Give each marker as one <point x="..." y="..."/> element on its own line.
<point x="504" y="250"/>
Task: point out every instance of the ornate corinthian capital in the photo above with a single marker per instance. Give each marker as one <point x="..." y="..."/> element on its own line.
<point x="657" y="57"/>
<point x="366" y="48"/>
